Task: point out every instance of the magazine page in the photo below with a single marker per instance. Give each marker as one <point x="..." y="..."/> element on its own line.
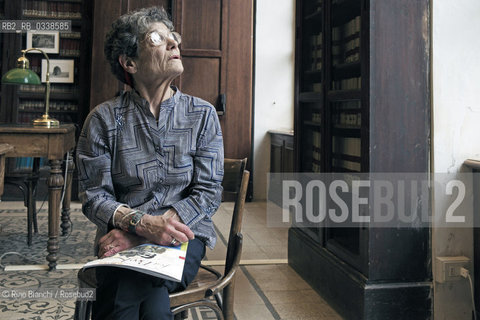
<point x="156" y="260"/>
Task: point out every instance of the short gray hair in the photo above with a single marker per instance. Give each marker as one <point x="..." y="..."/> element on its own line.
<point x="126" y="33"/>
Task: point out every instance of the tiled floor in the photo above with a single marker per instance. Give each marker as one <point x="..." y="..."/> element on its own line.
<point x="266" y="288"/>
<point x="271" y="289"/>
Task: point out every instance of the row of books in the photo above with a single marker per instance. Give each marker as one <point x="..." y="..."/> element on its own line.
<point x="37" y="105"/>
<point x="316" y="117"/>
<point x="69" y="47"/>
<point x="346" y="42"/>
<point x="316" y="51"/>
<point x="27" y="163"/>
<point x="316" y="154"/>
<point x="347" y="165"/>
<point x="71" y="35"/>
<point x="346" y="30"/>
<point x="354" y="83"/>
<point x="347" y="120"/>
<point x="340" y="145"/>
<point x="54" y="88"/>
<point x="347" y="105"/>
<point x="46" y="9"/>
<point x="316" y="40"/>
<point x="28" y="117"/>
<point x="316" y="87"/>
<point x="346" y="52"/>
<point x="346" y="145"/>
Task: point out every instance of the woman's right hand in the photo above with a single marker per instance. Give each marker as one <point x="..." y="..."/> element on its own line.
<point x="117" y="240"/>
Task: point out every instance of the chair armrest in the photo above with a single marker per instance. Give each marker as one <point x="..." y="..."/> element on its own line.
<point x="229" y="276"/>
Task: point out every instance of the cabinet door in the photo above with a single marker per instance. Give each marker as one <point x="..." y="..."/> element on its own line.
<point x="347" y="119"/>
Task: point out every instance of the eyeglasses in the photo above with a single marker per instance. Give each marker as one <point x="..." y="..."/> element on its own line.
<point x="156" y="38"/>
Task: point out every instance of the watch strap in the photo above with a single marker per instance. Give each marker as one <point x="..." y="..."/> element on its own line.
<point x="135" y="218"/>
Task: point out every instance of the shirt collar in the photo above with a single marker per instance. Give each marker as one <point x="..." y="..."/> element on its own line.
<point x="138" y="100"/>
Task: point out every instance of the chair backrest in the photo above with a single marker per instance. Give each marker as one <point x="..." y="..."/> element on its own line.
<point x="235" y="181"/>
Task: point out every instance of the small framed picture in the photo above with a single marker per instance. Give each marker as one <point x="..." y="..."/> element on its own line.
<point x="44" y="40"/>
<point x="61" y="71"/>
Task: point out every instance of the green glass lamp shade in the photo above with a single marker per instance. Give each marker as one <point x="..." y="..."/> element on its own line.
<point x="21" y="76"/>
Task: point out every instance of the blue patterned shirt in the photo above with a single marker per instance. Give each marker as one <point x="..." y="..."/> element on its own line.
<point x="126" y="157"/>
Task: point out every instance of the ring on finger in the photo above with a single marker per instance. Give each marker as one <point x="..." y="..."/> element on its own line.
<point x="173" y="241"/>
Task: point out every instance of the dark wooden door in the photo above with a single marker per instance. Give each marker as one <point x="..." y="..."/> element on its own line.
<point x="217" y="53"/>
<point x="104" y="85"/>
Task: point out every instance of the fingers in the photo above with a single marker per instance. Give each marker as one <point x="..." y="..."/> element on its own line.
<point x="174" y="231"/>
<point x="185" y="231"/>
<point x="104" y="244"/>
<point x="163" y="228"/>
<point x="116" y="241"/>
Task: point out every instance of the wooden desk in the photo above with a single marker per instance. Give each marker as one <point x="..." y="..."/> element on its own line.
<point x="4" y="148"/>
<point x="53" y="144"/>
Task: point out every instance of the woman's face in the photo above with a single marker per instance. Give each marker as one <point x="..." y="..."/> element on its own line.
<point x="158" y="60"/>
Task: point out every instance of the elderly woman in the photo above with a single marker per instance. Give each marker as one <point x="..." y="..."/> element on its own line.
<point x="150" y="165"/>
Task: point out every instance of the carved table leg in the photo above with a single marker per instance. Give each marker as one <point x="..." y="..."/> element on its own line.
<point x="67" y="196"/>
<point x="55" y="184"/>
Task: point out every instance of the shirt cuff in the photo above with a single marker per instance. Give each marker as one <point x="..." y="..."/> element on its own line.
<point x="188" y="212"/>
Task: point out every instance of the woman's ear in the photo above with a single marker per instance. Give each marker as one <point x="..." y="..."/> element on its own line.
<point x="127" y="63"/>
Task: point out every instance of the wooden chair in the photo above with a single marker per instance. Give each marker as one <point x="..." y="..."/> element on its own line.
<point x="27" y="181"/>
<point x="210" y="288"/>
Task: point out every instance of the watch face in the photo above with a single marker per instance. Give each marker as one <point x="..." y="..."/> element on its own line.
<point x="137" y="216"/>
<point x="135" y="219"/>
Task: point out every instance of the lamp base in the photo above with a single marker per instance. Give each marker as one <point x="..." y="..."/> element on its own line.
<point x="46" y="121"/>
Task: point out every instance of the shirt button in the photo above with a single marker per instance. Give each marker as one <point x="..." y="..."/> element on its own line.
<point x="157" y="149"/>
<point x="160" y="165"/>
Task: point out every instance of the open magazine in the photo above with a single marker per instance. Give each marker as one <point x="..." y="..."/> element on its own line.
<point x="156" y="260"/>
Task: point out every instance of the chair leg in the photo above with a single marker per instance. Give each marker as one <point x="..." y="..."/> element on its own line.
<point x="31" y="209"/>
<point x="228" y="299"/>
<point x="35" y="222"/>
<point x="35" y="176"/>
<point x="28" y="187"/>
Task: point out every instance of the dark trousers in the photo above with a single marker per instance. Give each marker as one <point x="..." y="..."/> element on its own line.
<point x="126" y="294"/>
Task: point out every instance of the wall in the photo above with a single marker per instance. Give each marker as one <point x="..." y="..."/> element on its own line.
<point x="456" y="114"/>
<point x="274" y="81"/>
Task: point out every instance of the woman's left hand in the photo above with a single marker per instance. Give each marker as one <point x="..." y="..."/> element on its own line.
<point x="117" y="240"/>
<point x="166" y="229"/>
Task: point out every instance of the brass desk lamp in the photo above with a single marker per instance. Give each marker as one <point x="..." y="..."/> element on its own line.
<point x="23" y="75"/>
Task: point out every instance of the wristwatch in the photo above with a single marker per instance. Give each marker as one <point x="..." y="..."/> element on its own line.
<point x="136" y="217"/>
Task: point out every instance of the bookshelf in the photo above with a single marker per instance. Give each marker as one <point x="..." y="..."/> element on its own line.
<point x="66" y="102"/>
<point x="70" y="61"/>
<point x="362" y="105"/>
